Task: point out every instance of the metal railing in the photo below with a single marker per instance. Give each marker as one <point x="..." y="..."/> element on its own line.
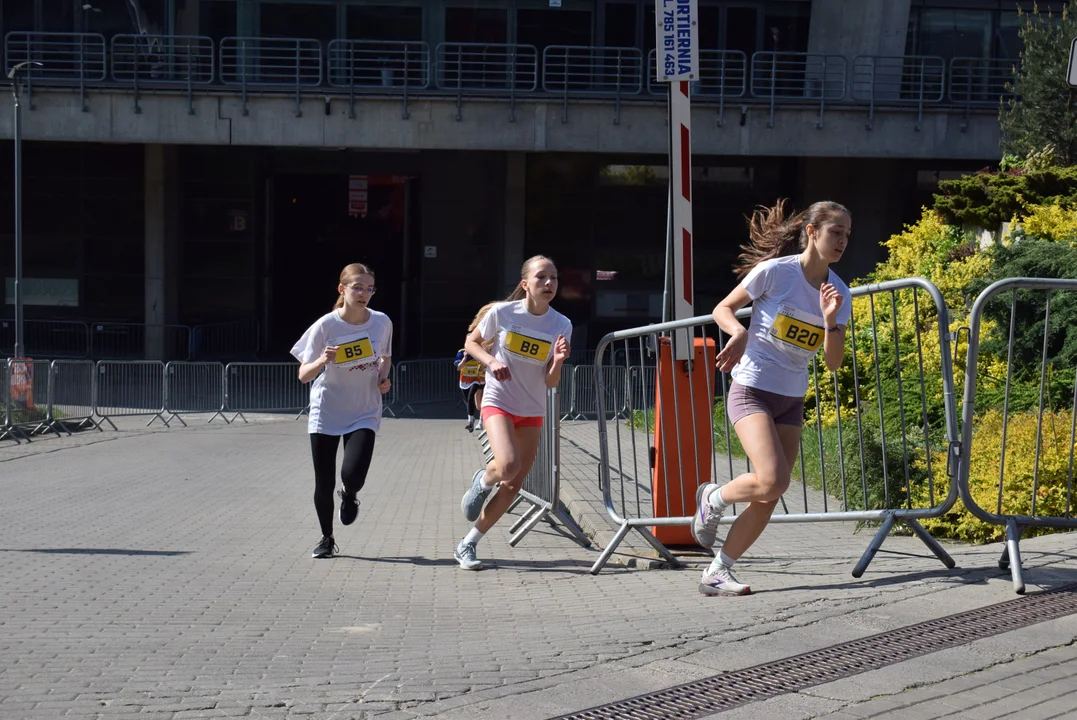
<point x="130" y="388"/>
<point x="65" y="58"/>
<point x="378" y="65"/>
<point x="868" y="452"/>
<point x="791" y="77"/>
<point x="898" y="80"/>
<point x="981" y="81"/>
<point x="421" y="382"/>
<point x="154" y="60"/>
<point x="580" y="70"/>
<point x="54" y="338"/>
<point x="264" y="388"/>
<point x="366" y="67"/>
<point x="133" y="341"/>
<point x="194" y="388"/>
<point x="1025" y="435"/>
<point x="487" y="67"/>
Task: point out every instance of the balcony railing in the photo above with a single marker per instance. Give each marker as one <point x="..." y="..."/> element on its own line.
<point x="366" y="67"/>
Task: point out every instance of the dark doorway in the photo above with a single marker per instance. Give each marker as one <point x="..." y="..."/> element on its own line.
<point x="319" y="224"/>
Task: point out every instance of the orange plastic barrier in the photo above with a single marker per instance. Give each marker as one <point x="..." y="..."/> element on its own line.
<point x="693" y="387"/>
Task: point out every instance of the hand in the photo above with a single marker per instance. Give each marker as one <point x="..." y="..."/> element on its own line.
<point x="499" y="371"/>
<point x="384" y="384"/>
<point x="329" y="355"/>
<point x="561" y="349"/>
<point x="730" y="354"/>
<point x="830" y="301"/>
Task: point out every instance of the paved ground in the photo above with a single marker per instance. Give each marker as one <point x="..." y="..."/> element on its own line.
<point x="167" y="574"/>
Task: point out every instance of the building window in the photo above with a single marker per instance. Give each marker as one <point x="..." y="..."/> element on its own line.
<point x="379" y="22"/>
<point x="471" y="25"/>
<point x="294" y="20"/>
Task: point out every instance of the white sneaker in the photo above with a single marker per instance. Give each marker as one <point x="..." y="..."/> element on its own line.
<point x="705" y="521"/>
<point x="465" y="555"/>
<point x="720" y="581"/>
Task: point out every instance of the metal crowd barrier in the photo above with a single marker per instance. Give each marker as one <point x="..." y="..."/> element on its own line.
<point x="130" y="388"/>
<point x="71" y="395"/>
<point x="27" y="397"/>
<point x="419" y="382"/>
<point x="194" y="387"/>
<point x="56" y="338"/>
<point x="265" y="388"/>
<point x="843" y="430"/>
<point x="1019" y="501"/>
<point x="586" y="389"/>
<point x="542" y="487"/>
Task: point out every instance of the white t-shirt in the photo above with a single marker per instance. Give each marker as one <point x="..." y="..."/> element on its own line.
<point x="524" y="343"/>
<point x="345" y="396"/>
<point x="787" y="327"/>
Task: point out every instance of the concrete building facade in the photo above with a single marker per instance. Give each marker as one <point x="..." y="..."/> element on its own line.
<point x="199" y="162"/>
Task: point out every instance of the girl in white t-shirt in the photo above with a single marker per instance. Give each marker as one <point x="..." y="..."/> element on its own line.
<point x="798" y="306"/>
<point x="530" y="343"/>
<point x="348" y="353"/>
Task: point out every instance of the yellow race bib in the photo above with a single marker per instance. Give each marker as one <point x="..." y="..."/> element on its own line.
<point x="472" y="369"/>
<point x="528" y="348"/>
<point x="798" y="333"/>
<point x="357" y="351"/>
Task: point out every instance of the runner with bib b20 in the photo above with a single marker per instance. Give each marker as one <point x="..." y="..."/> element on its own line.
<point x="799" y="305"/>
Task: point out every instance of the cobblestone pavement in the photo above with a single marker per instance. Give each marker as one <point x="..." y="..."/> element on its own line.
<point x="167" y="574"/>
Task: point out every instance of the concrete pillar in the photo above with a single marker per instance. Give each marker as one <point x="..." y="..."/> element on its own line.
<point x="515" y="218"/>
<point x="865" y="27"/>
<point x="160" y="252"/>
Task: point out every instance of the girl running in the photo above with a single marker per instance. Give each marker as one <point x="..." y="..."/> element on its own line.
<point x="530" y="344"/>
<point x="798" y="306"/>
<point x="349" y="351"/>
<point x="473" y="374"/>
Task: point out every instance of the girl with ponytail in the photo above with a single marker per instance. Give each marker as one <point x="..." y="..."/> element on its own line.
<point x="799" y="305"/>
<point x="348" y="354"/>
<point x="523" y="342"/>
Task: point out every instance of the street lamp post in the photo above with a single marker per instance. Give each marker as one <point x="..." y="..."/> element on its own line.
<point x="14" y="75"/>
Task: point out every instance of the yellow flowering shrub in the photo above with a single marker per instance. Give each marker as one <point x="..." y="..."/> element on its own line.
<point x="1049" y="222"/>
<point x="1053" y="477"/>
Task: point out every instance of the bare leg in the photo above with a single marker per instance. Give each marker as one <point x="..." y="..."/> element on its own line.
<point x="773" y="450"/>
<point x="525" y="443"/>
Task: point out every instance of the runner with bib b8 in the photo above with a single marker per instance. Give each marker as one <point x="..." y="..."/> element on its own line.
<point x="530" y="343"/>
<point x="799" y="305"/>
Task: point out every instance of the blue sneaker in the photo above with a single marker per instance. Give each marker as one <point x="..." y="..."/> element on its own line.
<point x="465" y="555"/>
<point x="475" y="497"/>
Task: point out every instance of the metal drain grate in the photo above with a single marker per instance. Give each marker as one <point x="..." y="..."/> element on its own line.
<point x="729" y="690"/>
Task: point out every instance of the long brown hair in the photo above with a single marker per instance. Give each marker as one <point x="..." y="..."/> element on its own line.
<point x="349" y="273"/>
<point x="518" y="292"/>
<point x="773" y="235"/>
<point x="487" y="344"/>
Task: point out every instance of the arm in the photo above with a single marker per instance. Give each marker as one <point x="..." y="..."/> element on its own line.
<point x="725" y="316"/>
<point x="473" y="347"/>
<point x="561" y="352"/>
<point x="311" y="370"/>
<point x="830" y="302"/>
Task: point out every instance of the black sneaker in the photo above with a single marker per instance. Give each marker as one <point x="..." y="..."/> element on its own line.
<point x="349" y="507"/>
<point x="326" y="548"/>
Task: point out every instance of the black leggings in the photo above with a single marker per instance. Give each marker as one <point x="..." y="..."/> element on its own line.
<point x="358" y="449"/>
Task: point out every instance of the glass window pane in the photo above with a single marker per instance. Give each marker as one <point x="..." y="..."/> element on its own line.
<point x="217" y="19"/>
<point x="620" y="30"/>
<point x="293" y="20"/>
<point x="379" y="22"/>
<point x="553" y="27"/>
<point x="469" y="25"/>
